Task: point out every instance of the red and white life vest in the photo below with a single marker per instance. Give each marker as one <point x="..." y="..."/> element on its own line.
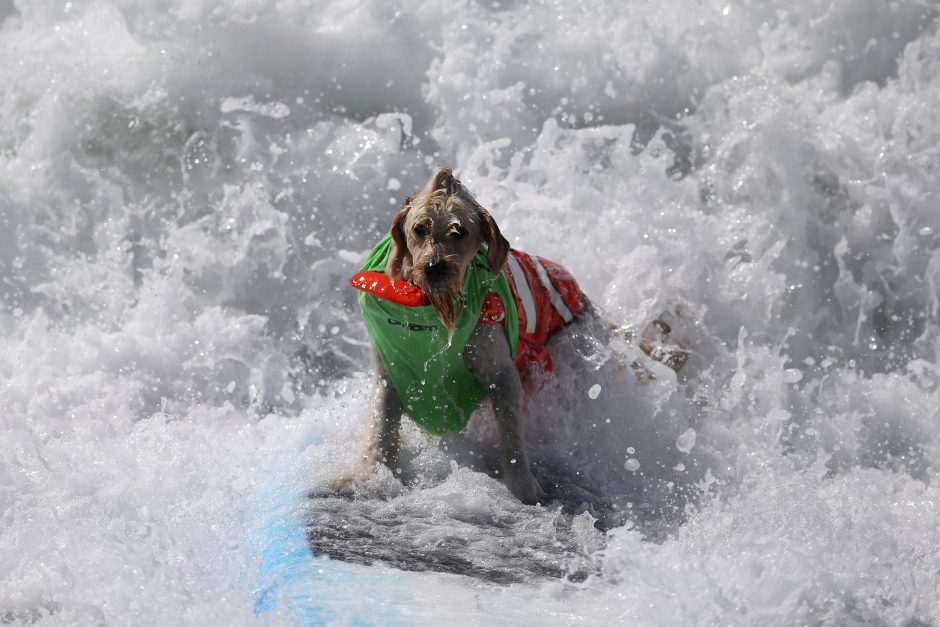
<point x="546" y="296"/>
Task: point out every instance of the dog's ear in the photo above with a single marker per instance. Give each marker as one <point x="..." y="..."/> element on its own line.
<point x="399" y="253"/>
<point x="497" y="248"/>
<point x="443" y="179"/>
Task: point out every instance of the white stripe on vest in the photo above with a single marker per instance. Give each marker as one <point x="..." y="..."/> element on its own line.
<point x="525" y="294"/>
<point x="557" y="302"/>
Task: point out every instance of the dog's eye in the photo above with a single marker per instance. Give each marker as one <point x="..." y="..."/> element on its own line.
<point x="458" y="233"/>
<point x="421" y="230"/>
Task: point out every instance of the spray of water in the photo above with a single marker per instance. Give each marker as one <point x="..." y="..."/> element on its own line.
<point x="185" y="188"/>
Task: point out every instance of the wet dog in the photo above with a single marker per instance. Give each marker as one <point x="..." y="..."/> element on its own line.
<point x="453" y="313"/>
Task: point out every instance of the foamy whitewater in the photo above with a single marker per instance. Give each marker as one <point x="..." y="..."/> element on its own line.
<point x="186" y="187"/>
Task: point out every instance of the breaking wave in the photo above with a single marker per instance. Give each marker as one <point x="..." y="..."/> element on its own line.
<point x="185" y="188"/>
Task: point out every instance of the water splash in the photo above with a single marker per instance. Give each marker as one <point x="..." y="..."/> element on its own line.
<point x="184" y="191"/>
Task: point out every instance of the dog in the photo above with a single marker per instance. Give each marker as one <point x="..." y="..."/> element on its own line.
<point x="454" y="314"/>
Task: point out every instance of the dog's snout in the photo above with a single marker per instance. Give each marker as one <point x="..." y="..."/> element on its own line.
<point x="436" y="269"/>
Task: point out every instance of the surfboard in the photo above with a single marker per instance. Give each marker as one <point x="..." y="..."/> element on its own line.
<point x="494" y="540"/>
<point x="317" y="546"/>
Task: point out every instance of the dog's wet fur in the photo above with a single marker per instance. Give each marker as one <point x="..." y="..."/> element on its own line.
<point x="436" y="233"/>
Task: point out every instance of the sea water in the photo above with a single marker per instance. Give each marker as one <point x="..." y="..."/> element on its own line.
<point x="186" y="186"/>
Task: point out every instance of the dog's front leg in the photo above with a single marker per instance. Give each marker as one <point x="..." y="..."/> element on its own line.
<point x="488" y="357"/>
<point x="382" y="442"/>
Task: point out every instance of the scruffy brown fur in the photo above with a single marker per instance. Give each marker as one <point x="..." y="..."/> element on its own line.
<point x="435" y="234"/>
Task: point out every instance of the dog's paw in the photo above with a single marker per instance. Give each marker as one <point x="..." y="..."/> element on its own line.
<point x="352" y="482"/>
<point x="661" y="346"/>
<point x="524" y="486"/>
<point x="671" y="355"/>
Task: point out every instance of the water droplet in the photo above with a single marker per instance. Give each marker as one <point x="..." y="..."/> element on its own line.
<point x="686" y="440"/>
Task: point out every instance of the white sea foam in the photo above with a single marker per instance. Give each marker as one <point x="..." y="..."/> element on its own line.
<point x="185" y="188"/>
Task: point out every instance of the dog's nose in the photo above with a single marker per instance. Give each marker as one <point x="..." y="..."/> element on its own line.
<point x="436" y="269"/>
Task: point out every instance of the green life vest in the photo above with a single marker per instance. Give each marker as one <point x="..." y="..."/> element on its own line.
<point x="437" y="390"/>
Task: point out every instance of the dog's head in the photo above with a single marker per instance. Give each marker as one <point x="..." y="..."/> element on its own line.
<point x="436" y="232"/>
